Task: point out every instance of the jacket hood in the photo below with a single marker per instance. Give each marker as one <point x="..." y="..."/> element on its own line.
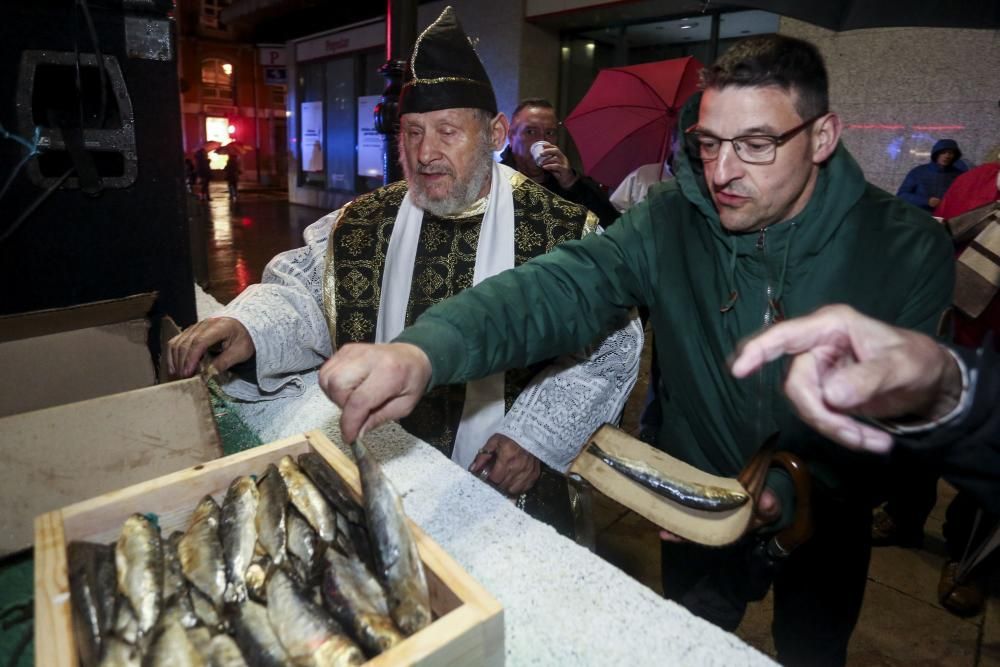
<point x="839" y="186"/>
<point x="943" y="145"/>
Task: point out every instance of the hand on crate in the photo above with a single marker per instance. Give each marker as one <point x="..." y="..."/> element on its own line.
<point x="185" y="350"/>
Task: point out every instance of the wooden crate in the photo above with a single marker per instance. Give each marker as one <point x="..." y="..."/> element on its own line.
<point x="469" y="622"/>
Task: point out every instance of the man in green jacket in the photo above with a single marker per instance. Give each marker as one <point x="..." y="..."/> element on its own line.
<point x="769" y="217"/>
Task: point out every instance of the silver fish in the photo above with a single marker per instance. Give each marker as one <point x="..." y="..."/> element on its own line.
<point x="119" y="653"/>
<point x="172" y="648"/>
<point x="200" y="552"/>
<point x="399" y="565"/>
<point x="256" y="638"/>
<point x="270" y="519"/>
<point x="256" y="577"/>
<point x="238" y="532"/>
<point x="332" y="486"/>
<point x="205" y="610"/>
<point x="223" y="652"/>
<point x="307" y="632"/>
<point x="356" y="599"/>
<point x="308" y="500"/>
<point x="303" y="544"/>
<point x="92" y="585"/>
<point x="690" y="494"/>
<point x="176" y="594"/>
<point x="126" y="625"/>
<point x="139" y="569"/>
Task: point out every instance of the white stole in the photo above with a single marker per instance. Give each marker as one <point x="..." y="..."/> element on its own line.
<point x="484" y="399"/>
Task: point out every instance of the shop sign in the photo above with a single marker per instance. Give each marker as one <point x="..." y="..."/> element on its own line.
<point x="276" y="76"/>
<point x="344" y="41"/>
<point x="273" y="56"/>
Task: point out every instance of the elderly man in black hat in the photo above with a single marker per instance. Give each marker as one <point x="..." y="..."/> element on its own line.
<point x="372" y="267"/>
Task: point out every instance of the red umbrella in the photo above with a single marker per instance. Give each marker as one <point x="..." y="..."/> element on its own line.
<point x="624" y="120"/>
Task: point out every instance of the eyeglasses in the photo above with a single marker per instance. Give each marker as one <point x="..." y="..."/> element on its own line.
<point x="751" y="148"/>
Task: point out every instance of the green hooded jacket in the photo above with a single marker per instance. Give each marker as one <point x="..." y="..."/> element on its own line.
<point x="853" y="243"/>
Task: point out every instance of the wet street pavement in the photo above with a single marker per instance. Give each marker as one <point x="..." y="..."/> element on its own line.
<point x="233" y="242"/>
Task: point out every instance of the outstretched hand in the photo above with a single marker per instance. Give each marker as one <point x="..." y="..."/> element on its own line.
<point x="374" y="383"/>
<point x="846" y="364"/>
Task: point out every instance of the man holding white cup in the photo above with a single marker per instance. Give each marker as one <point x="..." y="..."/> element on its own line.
<point x="533" y="132"/>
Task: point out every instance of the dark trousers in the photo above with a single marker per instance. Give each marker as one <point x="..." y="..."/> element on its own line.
<point x="818" y="589"/>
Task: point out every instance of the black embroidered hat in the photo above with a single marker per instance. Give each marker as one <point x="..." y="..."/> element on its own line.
<point x="445" y="71"/>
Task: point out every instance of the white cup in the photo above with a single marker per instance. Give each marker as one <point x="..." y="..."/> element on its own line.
<point x="536" y="151"/>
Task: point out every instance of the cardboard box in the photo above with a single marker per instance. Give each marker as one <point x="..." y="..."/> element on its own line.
<point x="468" y="628"/>
<point x="80" y="413"/>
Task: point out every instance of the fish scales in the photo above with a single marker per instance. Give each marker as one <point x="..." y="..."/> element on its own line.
<point x="256" y="637"/>
<point x="92" y="586"/>
<point x="306" y="630"/>
<point x="238" y="532"/>
<point x="356" y="599"/>
<point x="271" y="512"/>
<point x="139" y="569"/>
<point x="308" y="499"/>
<point x="690" y="494"/>
<point x="331" y="485"/>
<point x="399" y="565"/>
<point x="200" y="552"/>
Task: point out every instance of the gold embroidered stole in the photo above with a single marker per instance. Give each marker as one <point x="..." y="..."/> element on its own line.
<point x="444" y="265"/>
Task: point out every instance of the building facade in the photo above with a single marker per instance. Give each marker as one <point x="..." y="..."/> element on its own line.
<point x="231" y="91"/>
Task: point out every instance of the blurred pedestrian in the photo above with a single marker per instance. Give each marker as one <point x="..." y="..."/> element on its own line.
<point x="190" y="175"/>
<point x="203" y="170"/>
<point x="232" y="171"/>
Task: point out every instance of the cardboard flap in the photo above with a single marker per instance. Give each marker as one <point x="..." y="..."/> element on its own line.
<point x="701" y="526"/>
<point x="57" y="456"/>
<point x="57" y="320"/>
<point x="76" y="365"/>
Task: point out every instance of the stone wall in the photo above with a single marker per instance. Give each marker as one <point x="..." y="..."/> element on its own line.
<point x="898" y="90"/>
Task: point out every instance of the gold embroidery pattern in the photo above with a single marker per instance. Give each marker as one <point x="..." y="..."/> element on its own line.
<point x="357" y="327"/>
<point x="435" y="236"/>
<point x="355" y="283"/>
<point x="356" y="241"/>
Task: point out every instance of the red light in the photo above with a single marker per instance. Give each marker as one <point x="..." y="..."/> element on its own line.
<point x="232" y="130"/>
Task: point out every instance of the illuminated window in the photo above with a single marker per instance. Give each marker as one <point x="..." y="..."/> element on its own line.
<point x="217" y="79"/>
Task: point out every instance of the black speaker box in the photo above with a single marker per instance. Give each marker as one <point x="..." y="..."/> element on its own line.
<point x="114" y="222"/>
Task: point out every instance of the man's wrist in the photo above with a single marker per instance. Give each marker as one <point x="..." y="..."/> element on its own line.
<point x="951" y="400"/>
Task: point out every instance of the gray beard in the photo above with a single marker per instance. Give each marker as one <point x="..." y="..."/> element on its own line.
<point x="461" y="195"/>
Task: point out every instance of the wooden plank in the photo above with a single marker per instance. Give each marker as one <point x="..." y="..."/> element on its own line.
<point x="704" y="527"/>
<point x="54" y="641"/>
<point x="468" y="628"/>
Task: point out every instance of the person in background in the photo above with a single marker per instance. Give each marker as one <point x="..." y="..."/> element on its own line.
<point x="925" y="184"/>
<point x="769" y="217"/>
<point x="232" y="171"/>
<point x="535" y="120"/>
<point x="203" y="169"/>
<point x="374" y="265"/>
<point x="190" y="175"/>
